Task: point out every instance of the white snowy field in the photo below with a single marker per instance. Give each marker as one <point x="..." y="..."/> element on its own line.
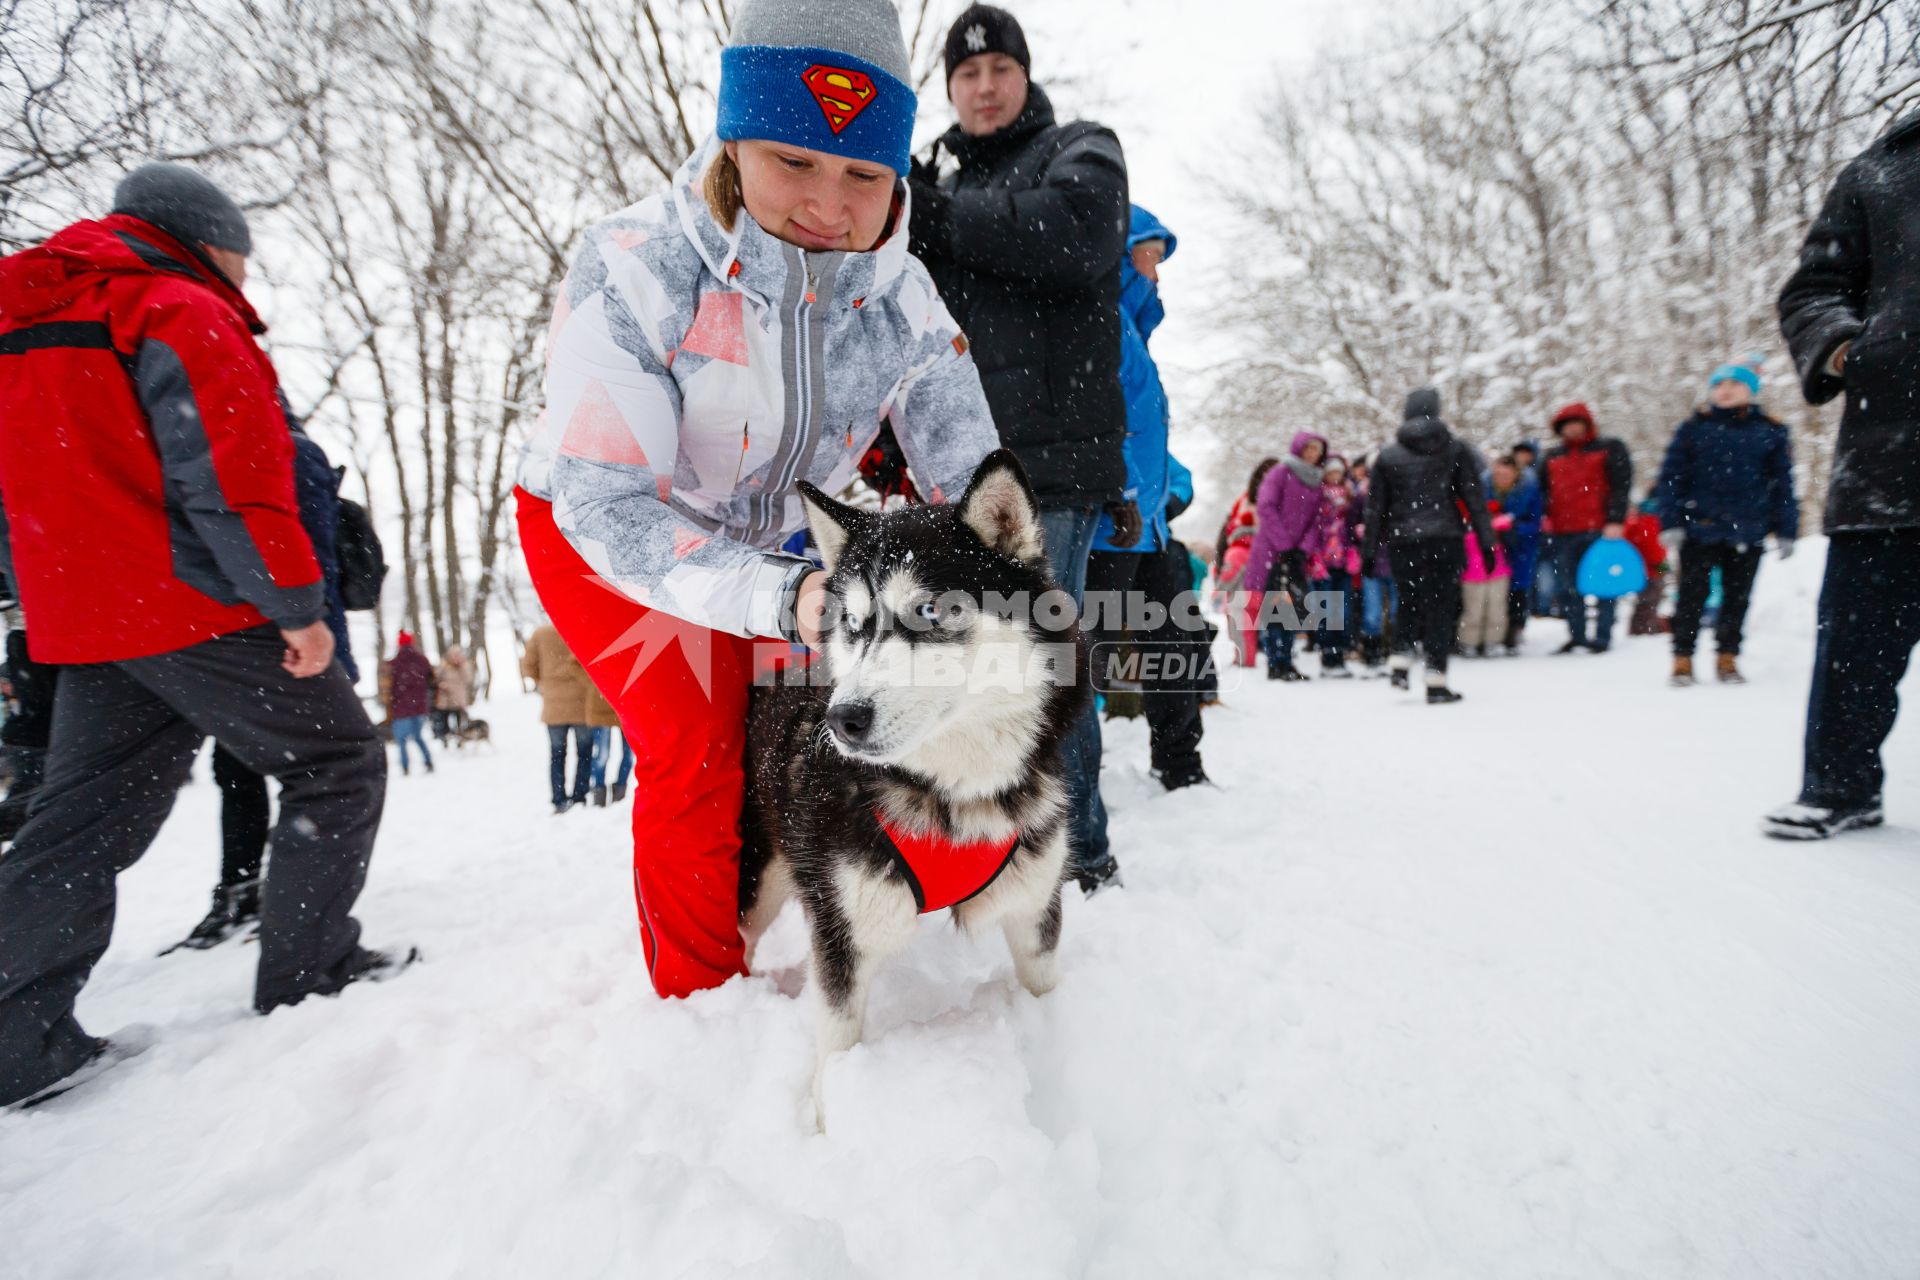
<point x="1506" y="989"/>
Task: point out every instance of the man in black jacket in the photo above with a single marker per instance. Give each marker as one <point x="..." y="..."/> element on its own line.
<point x="1850" y="314"/>
<point x="1024" y="239"/>
<point x="1419" y="484"/>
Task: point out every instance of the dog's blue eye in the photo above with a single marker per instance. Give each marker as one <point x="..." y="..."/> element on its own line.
<point x="928" y="611"/>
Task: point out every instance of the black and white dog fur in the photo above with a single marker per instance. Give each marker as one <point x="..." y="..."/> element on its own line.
<point x="946" y="717"/>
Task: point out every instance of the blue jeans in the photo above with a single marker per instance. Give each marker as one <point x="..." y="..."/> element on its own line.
<point x="1068" y="532"/>
<point x="1566" y="550"/>
<point x="1379" y="600"/>
<point x="410" y="729"/>
<point x="603" y="751"/>
<point x="557" y="761"/>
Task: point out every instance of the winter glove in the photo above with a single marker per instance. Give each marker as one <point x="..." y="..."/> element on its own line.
<point x="1672" y="538"/>
<point x="1487" y="559"/>
<point x="1786" y="547"/>
<point x="1126" y="523"/>
<point x="930" y="226"/>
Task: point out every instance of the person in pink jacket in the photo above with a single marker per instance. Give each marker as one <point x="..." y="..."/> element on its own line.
<point x="1483" y="593"/>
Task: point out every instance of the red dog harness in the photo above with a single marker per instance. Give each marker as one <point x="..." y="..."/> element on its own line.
<point x="942" y="872"/>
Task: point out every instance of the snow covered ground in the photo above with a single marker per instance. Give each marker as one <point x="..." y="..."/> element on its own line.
<point x="1511" y="988"/>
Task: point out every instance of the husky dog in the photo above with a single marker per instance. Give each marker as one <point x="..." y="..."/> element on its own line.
<point x="924" y="770"/>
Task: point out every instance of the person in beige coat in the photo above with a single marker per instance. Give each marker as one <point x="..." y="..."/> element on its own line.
<point x="563" y="686"/>
<point x="605" y="722"/>
<point x="452" y="692"/>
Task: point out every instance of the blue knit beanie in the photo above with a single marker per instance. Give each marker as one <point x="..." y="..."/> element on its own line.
<point x="828" y="75"/>
<point x="1736" y="373"/>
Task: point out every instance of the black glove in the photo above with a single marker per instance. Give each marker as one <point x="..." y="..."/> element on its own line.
<point x="930" y="227"/>
<point x="1487" y="559"/>
<point x="1126" y="523"/>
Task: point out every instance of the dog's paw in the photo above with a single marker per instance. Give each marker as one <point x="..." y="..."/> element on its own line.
<point x="1040" y="974"/>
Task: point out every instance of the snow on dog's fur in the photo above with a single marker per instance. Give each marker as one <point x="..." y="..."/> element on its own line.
<point x="953" y="671"/>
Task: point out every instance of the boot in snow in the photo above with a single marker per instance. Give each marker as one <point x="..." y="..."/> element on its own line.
<point x="1183" y="775"/>
<point x="1101" y="878"/>
<point x="1814" y="822"/>
<point x="1437" y="691"/>
<point x="1284" y="671"/>
<point x="599" y="797"/>
<point x="234" y="907"/>
<point x="619" y="792"/>
<point x="1727" y="668"/>
<point x="1333" y="665"/>
<point x="364" y="965"/>
<point x="1401" y="674"/>
<point x="128" y="1042"/>
<point x="1682" y="671"/>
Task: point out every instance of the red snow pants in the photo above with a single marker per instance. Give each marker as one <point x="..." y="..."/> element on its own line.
<point x="689" y="746"/>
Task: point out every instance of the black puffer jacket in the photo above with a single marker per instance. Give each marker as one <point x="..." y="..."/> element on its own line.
<point x="1859" y="282"/>
<point x="1420" y="482"/>
<point x="1025" y="242"/>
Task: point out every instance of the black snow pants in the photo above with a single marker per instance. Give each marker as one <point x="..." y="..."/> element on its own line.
<point x="1174" y="663"/>
<point x="1869" y="624"/>
<point x="245" y="817"/>
<point x="1428" y="571"/>
<point x="124" y="736"/>
<point x="1738" y="566"/>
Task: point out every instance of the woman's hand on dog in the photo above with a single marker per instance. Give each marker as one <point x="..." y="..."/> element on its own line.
<point x="810" y="609"/>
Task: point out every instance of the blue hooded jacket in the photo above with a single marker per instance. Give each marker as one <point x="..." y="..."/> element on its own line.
<point x="1728" y="478"/>
<point x="1523" y="503"/>
<point x="1140" y="314"/>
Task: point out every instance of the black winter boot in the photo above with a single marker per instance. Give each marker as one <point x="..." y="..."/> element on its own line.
<point x="234" y="908"/>
<point x="599" y="797"/>
<point x="619" y="792"/>
<point x="364" y="965"/>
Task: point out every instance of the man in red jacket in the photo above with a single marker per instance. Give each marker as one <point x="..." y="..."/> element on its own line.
<point x="148" y="522"/>
<point x="1584" y="481"/>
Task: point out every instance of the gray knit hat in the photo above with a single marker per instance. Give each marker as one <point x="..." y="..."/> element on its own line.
<point x="184" y="205"/>
<point x="829" y="75"/>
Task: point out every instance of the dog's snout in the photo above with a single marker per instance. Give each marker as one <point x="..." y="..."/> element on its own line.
<point x="851" y="722"/>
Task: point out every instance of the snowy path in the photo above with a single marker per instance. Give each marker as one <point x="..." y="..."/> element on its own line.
<point x="1505" y="989"/>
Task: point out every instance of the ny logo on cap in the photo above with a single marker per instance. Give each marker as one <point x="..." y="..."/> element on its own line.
<point x="842" y="94"/>
<point x="976" y="37"/>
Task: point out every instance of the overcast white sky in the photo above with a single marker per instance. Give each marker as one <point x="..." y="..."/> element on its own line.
<point x="1178" y="80"/>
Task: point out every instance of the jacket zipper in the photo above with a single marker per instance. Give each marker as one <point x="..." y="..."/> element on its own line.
<point x="740" y="463"/>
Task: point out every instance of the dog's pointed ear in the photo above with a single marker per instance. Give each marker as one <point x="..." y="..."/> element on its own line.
<point x="999" y="507"/>
<point x="834" y="524"/>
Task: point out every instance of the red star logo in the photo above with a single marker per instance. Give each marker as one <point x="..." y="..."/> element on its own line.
<point x="842" y="94"/>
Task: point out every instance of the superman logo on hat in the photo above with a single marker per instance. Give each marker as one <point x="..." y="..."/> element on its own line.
<point x="842" y="94"/>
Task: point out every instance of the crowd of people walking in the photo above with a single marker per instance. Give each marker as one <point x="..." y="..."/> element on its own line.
<point x="171" y="532"/>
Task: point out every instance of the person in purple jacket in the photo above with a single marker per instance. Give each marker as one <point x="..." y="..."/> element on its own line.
<point x="1285" y="509"/>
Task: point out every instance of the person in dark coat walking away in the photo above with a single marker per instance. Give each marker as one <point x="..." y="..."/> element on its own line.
<point x="154" y="535"/>
<point x="1585" y="484"/>
<point x="1421" y="483"/>
<point x="246" y="813"/>
<point x="1850" y="314"/>
<point x="1726" y="485"/>
<point x="410" y="699"/>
